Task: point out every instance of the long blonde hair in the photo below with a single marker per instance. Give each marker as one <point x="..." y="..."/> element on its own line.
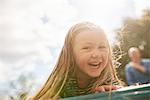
<point x="66" y="63"/>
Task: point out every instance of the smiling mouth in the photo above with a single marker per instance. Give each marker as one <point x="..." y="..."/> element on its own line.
<point x="94" y="65"/>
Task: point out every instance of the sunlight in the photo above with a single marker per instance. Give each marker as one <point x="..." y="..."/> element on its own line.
<point x="32" y="31"/>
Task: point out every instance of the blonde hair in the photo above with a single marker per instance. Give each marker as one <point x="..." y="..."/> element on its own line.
<point x="66" y="63"/>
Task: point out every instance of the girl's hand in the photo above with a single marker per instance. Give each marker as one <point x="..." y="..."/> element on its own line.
<point x="104" y="88"/>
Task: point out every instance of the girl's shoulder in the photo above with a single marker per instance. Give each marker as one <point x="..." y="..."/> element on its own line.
<point x="68" y="87"/>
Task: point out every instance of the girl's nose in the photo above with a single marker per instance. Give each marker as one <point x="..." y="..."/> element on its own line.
<point x="95" y="54"/>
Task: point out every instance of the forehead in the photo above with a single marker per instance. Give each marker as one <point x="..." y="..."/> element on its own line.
<point x="94" y="36"/>
<point x="134" y="50"/>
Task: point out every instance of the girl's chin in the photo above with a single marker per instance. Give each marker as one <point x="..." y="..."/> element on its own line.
<point x="94" y="75"/>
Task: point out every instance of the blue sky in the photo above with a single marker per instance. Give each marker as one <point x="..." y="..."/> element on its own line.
<point x="32" y="31"/>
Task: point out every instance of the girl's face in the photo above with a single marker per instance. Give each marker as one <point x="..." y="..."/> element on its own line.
<point x="91" y="53"/>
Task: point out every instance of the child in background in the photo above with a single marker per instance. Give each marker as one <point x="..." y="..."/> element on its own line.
<point x="84" y="65"/>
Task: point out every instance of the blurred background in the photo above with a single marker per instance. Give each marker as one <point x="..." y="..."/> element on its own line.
<point x="32" y="33"/>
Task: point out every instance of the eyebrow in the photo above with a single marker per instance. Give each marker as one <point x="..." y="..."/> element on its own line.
<point x="89" y="44"/>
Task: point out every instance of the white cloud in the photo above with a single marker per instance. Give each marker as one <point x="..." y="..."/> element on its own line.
<point x="3" y="71"/>
<point x="140" y="5"/>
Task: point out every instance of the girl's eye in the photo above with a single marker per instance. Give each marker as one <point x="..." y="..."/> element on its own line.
<point x="101" y="47"/>
<point x="86" y="48"/>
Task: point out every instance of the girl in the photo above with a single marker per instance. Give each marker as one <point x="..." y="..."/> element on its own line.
<point x="84" y="65"/>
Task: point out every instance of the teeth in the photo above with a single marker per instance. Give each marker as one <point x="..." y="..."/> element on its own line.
<point x="96" y="65"/>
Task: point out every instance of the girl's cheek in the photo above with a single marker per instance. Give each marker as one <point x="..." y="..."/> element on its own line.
<point x="105" y="55"/>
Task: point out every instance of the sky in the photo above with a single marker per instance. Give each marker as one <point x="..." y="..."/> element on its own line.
<point x="32" y="32"/>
